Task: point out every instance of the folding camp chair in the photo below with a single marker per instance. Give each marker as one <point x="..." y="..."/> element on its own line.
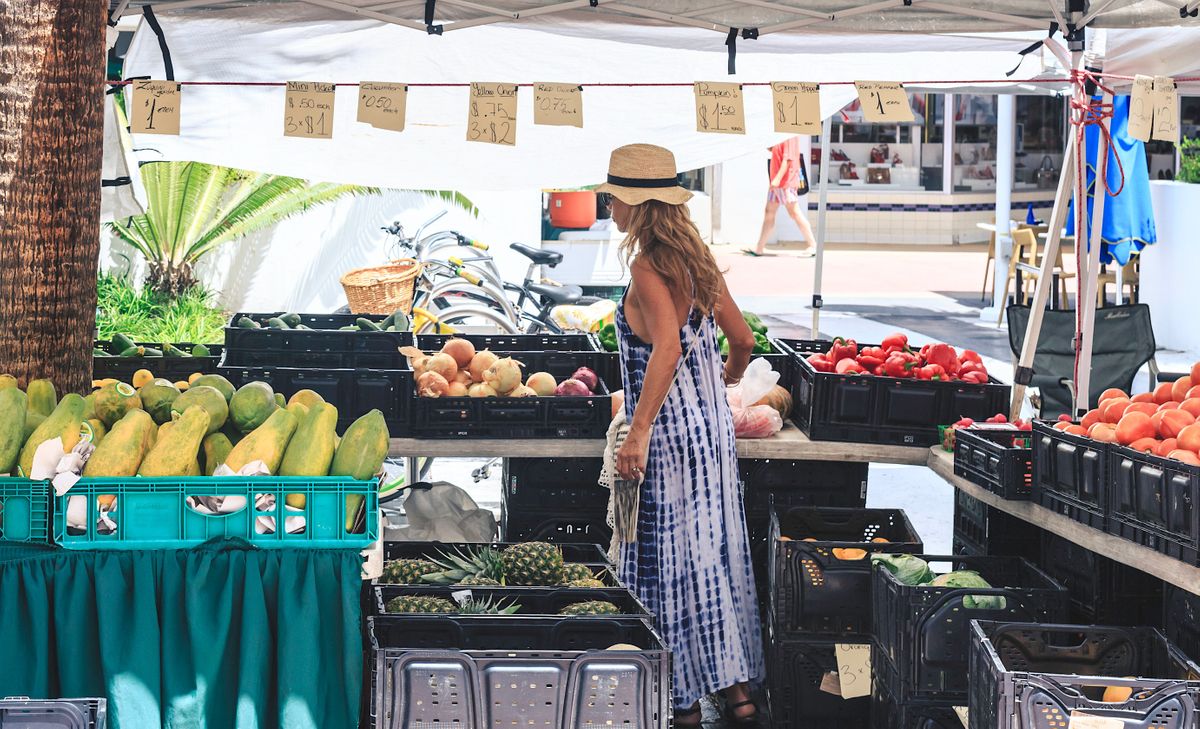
<point x="1123" y="341"/>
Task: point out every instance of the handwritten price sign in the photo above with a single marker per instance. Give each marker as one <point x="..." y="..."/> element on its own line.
<point x="797" y="107"/>
<point x="492" y="116"/>
<point x="382" y="105"/>
<point x="155" y="107"/>
<point x="854" y="669"/>
<point x="308" y="110"/>
<point x="719" y="108"/>
<point x="1141" y="108"/>
<point x="884" y="101"/>
<point x="1166" y="110"/>
<point x="558" y="105"/>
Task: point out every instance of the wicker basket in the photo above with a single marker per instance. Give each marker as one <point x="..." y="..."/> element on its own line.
<point x="382" y="289"/>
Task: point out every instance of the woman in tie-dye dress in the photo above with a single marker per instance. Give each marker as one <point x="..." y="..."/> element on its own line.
<point x="691" y="561"/>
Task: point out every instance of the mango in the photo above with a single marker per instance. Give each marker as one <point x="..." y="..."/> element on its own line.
<point x="266" y="443"/>
<point x="175" y="452"/>
<point x="216" y="450"/>
<point x="121" y="451"/>
<point x="306" y="397"/>
<point x="41" y="397"/>
<point x="224" y="386"/>
<point x="360" y="456"/>
<point x="207" y="397"/>
<point x="141" y="378"/>
<point x="251" y="405"/>
<point x="111" y="402"/>
<point x="12" y="427"/>
<point x="64" y="422"/>
<point x="157" y="399"/>
<point x="310" y="451"/>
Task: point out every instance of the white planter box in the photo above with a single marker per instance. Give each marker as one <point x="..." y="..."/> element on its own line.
<point x="1169" y="267"/>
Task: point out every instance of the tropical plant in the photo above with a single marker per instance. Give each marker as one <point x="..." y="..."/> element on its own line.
<point x="1189" y="161"/>
<point x="150" y="316"/>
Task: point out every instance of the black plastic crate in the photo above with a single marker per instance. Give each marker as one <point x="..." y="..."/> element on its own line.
<point x="1181" y="619"/>
<point x="795" y="670"/>
<point x="1026" y="676"/>
<point x="573" y="552"/>
<point x="812" y="591"/>
<point x="890" y="410"/>
<point x="1070" y="474"/>
<point x="922" y="631"/>
<point x="981" y="530"/>
<point x="324" y="345"/>
<point x="1103" y="591"/>
<point x="890" y="712"/>
<point x="564" y="484"/>
<point x="354" y="392"/>
<point x="21" y="712"/>
<point x="445" y="670"/>
<point x="541" y="601"/>
<point x="514" y="343"/>
<point x="552" y="525"/>
<point x="168" y="368"/>
<point x="787" y="482"/>
<point x="1155" y="502"/>
<point x="1000" y="461"/>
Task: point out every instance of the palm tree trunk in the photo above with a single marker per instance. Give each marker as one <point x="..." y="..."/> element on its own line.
<point x="51" y="145"/>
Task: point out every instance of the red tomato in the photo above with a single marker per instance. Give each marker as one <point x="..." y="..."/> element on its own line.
<point x="1075" y="430"/>
<point x="1189" y="438"/>
<point x="1104" y="432"/>
<point x="1180" y="387"/>
<point x="1133" y="427"/>
<point x="1091" y="418"/>
<point x="1191" y="405"/>
<point x="1143" y="397"/>
<point x="1114" y="408"/>
<point x="1113" y="392"/>
<point x="1188" y="457"/>
<point x="1162" y="393"/>
<point x="1168" y="423"/>
<point x="1148" y="408"/>
<point x="1145" y="445"/>
<point x="1166" y="446"/>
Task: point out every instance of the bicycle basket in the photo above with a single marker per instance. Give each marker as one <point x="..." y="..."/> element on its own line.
<point x="382" y="289"/>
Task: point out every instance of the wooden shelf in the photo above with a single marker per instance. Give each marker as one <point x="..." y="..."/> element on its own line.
<point x="1115" y="548"/>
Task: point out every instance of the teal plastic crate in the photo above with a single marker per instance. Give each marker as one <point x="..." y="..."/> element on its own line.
<point x="154" y="513"/>
<point x="24" y="511"/>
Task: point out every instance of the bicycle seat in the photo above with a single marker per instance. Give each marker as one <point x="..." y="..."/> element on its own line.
<point x="538" y="255"/>
<point x="567" y="294"/>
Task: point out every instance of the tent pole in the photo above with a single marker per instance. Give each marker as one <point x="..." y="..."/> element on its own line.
<point x="1006" y="137"/>
<point x="822" y="214"/>
<point x="1088" y="305"/>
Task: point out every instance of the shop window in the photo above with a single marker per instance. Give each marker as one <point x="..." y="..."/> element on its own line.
<point x="885" y="157"/>
<point x="1041" y="139"/>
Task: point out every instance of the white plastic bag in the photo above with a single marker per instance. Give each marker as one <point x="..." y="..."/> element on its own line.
<point x="756" y="382"/>
<point x="445" y="513"/>
<point x="756" y="421"/>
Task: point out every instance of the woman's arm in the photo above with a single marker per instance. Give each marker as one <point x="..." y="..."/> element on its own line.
<point x="781" y="175"/>
<point x="737" y="333"/>
<point x="657" y="310"/>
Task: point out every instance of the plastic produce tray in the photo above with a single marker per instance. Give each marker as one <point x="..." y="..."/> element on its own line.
<point x="25" y="713"/>
<point x="153" y="513"/>
<point x="1103" y="591"/>
<point x="1181" y="619"/>
<point x="323" y="346"/>
<point x="1000" y="461"/>
<point x="795" y="670"/>
<point x="981" y="530"/>
<point x="1026" y="676"/>
<point x="560" y="484"/>
<point x="582" y="553"/>
<point x="515" y="342"/>
<point x="890" y="410"/>
<point x="443" y="670"/>
<point x="813" y="591"/>
<point x="922" y="631"/>
<point x="786" y="483"/>
<point x="355" y="392"/>
<point x="1155" y="502"/>
<point x="889" y="712"/>
<point x="1070" y="474"/>
<point x="25" y="511"/>
<point x="552" y="525"/>
<point x="519" y="417"/>
<point x="540" y="601"/>
<point x="169" y="368"/>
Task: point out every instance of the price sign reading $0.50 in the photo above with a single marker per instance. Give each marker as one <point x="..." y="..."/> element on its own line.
<point x="382" y="105"/>
<point x="155" y="107"/>
<point x="308" y="110"/>
<point x="719" y="108"/>
<point x="492" y="116"/>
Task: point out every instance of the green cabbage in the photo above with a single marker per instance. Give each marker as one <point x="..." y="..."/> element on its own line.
<point x="970" y="578"/>
<point x="908" y="569"/>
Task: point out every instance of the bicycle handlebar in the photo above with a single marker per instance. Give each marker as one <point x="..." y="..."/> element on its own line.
<point x="465" y="241"/>
<point x="468" y="276"/>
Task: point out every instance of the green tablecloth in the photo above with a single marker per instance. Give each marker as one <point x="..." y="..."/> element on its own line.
<point x="220" y="636"/>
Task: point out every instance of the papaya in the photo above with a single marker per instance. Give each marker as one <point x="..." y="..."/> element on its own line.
<point x="41" y="397"/>
<point x="307" y="397"/>
<point x="224" y="386"/>
<point x="165" y="428"/>
<point x="157" y="399"/>
<point x="251" y="405"/>
<point x="121" y="451"/>
<point x="209" y="398"/>
<point x="233" y="434"/>
<point x="141" y="378"/>
<point x="12" y="427"/>
<point x="94" y="429"/>
<point x="310" y="451"/>
<point x="299" y="409"/>
<point x="216" y="450"/>
<point x="266" y="443"/>
<point x="7" y="381"/>
<point x="280" y="401"/>
<point x="89" y="406"/>
<point x="175" y="452"/>
<point x="32" y="421"/>
<point x="111" y="402"/>
<point x="64" y="422"/>
<point x="181" y="385"/>
<point x="194" y="376"/>
<point x="360" y="456"/>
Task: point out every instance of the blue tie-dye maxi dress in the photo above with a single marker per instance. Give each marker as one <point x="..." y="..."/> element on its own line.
<point x="691" y="561"/>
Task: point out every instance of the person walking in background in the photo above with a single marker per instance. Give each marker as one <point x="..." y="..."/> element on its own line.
<point x="789" y="180"/>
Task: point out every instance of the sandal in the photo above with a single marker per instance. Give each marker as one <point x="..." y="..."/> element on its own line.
<point x="678" y="714"/>
<point x="729" y="711"/>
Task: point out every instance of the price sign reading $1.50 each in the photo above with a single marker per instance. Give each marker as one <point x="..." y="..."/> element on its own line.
<point x="854" y="669"/>
<point x="492" y="116"/>
<point x="382" y="105"/>
<point x="308" y="110"/>
<point x="155" y="107"/>
<point x="883" y="101"/>
<point x="558" y="105"/>
<point x="719" y="108"/>
<point x="797" y="107"/>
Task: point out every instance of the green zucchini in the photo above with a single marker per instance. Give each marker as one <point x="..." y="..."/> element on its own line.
<point x="367" y="325"/>
<point x="122" y="342"/>
<point x="277" y="323"/>
<point x="291" y="319"/>
<point x="246" y="322"/>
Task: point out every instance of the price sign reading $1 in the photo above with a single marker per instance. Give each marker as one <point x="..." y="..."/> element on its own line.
<point x="797" y="107"/>
<point x="382" y="105"/>
<point x="884" y="101"/>
<point x="558" y="105"/>
<point x="308" y="110"/>
<point x="492" y="116"/>
<point x="155" y="107"/>
<point x="854" y="669"/>
<point x="719" y="108"/>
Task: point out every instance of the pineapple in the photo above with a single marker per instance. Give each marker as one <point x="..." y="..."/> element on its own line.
<point x="586" y="582"/>
<point x="592" y="607"/>
<point x="576" y="571"/>
<point x="454" y="567"/>
<point x="478" y="581"/>
<point x="487" y="607"/>
<point x="406" y="571"/>
<point x="532" y="563"/>
<point x="420" y="604"/>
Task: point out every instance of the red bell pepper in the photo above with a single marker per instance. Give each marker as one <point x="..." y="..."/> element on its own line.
<point x="841" y="349"/>
<point x="848" y="366"/>
<point x="877" y="352"/>
<point x="969" y="355"/>
<point x="820" y="363"/>
<point x="898" y="366"/>
<point x="931" y="372"/>
<point x="975" y="377"/>
<point x="944" y="356"/>
<point x="894" y="341"/>
<point x="870" y="362"/>
<point x="971" y="366"/>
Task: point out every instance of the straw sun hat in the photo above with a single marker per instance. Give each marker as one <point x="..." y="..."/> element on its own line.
<point x="641" y="172"/>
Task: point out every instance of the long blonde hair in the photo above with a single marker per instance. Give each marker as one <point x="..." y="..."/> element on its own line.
<point x="664" y="236"/>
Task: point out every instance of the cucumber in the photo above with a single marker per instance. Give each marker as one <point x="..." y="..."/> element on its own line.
<point x="151" y="352"/>
<point x="277" y="323"/>
<point x="389" y="321"/>
<point x="301" y="327"/>
<point x="170" y="350"/>
<point x="200" y="350"/>
<point x="246" y="322"/>
<point x="291" y="319"/>
<point x="403" y="322"/>
<point x="367" y="325"/>
<point x="97" y="352"/>
<point x="122" y="342"/>
<point x="133" y="352"/>
<point x="350" y="328"/>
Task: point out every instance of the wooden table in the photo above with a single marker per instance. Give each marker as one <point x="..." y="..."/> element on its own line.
<point x="1115" y="548"/>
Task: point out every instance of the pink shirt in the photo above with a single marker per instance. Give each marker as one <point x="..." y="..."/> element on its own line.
<point x="789" y="150"/>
